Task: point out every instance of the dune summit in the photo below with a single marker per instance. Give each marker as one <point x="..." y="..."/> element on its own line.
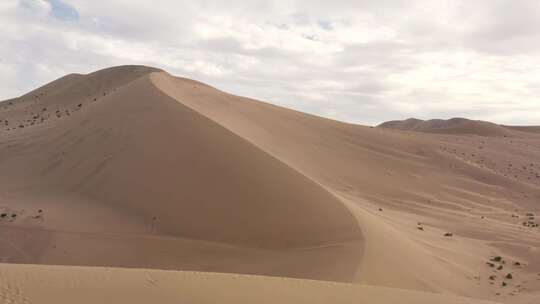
<point x="132" y="167"/>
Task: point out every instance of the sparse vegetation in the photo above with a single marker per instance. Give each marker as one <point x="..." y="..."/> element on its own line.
<point x="496" y="259"/>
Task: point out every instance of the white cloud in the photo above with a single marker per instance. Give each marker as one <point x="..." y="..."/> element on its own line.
<point x="360" y="61"/>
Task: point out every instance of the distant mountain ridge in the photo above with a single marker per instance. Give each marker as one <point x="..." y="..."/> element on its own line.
<point x="456" y="126"/>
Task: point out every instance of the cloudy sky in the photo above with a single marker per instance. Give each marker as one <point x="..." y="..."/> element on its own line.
<point x="363" y="61"/>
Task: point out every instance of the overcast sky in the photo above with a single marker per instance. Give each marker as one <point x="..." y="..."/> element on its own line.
<point x="357" y="61"/>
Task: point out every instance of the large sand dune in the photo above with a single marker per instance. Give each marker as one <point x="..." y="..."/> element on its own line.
<point x="137" y="166"/>
<point x="133" y="167"/>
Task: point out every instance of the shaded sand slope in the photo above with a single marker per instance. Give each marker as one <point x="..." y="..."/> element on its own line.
<point x="137" y="162"/>
<point x="441" y="183"/>
<point x="54" y="284"/>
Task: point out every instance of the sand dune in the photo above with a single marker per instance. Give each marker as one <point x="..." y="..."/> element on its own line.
<point x="140" y="163"/>
<point x="450" y="126"/>
<point x="133" y="167"/>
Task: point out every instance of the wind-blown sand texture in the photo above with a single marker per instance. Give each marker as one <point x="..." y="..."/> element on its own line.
<point x="41" y="284"/>
<point x="132" y="167"/>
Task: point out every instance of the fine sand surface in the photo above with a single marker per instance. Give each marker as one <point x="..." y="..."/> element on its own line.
<point x="68" y="284"/>
<point x="132" y="167"/>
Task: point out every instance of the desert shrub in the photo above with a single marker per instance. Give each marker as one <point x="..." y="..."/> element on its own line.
<point x="496" y="259"/>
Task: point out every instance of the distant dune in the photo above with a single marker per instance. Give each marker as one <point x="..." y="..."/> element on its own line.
<point x="132" y="167"/>
<point x="453" y="126"/>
